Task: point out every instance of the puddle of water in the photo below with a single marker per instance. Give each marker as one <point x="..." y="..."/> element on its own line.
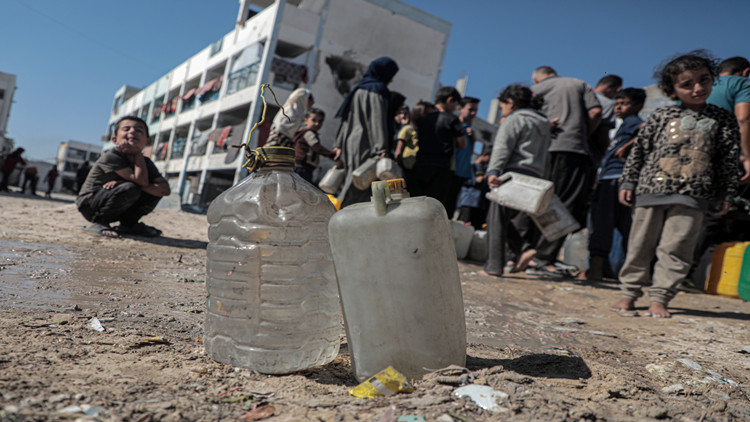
<point x="30" y="272"/>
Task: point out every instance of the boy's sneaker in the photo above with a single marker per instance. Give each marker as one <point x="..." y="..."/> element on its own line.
<point x="139" y="229"/>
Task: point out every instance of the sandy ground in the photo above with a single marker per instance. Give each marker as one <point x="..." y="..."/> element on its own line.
<point x="553" y="347"/>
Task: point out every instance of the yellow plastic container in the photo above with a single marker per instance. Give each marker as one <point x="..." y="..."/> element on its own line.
<point x="726" y="265"/>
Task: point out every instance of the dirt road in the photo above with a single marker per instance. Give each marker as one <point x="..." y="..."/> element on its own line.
<point x="553" y="347"/>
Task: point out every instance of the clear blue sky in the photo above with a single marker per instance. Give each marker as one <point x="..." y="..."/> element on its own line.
<point x="71" y="56"/>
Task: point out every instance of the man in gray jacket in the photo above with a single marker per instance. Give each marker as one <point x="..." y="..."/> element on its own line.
<point x="572" y="104"/>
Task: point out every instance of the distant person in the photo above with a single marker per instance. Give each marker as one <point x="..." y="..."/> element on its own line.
<point x="522" y="146"/>
<point x="440" y="133"/>
<point x="683" y="164"/>
<point x="472" y="204"/>
<point x="123" y="185"/>
<point x="284" y="127"/>
<point x="31" y="178"/>
<point x="50" y="179"/>
<point x="366" y="122"/>
<point x="573" y="104"/>
<point x="81" y="175"/>
<point x="732" y="92"/>
<point x="606" y="212"/>
<point x="11" y="162"/>
<point x="606" y="90"/>
<point x="467" y="111"/>
<point x="307" y="145"/>
<point x="407" y="140"/>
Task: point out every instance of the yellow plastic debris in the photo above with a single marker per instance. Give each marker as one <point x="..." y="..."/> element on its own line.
<point x="335" y="201"/>
<point x="385" y="383"/>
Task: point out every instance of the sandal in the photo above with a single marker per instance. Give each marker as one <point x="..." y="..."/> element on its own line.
<point x="139" y="229"/>
<point x="102" y="230"/>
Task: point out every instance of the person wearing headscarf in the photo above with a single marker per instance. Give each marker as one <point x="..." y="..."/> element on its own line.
<point x="366" y="124"/>
<point x="283" y="128"/>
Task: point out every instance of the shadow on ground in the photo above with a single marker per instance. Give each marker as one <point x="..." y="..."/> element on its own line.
<point x="536" y="365"/>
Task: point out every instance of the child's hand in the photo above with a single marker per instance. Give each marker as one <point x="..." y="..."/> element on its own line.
<point x="626" y="197"/>
<point x="722" y="207"/>
<point x="493" y="180"/>
<point x="336" y="154"/>
<point x="745" y="165"/>
<point x="109" y="185"/>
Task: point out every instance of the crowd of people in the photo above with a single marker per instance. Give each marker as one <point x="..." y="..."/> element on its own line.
<point x="641" y="188"/>
<point x="656" y="191"/>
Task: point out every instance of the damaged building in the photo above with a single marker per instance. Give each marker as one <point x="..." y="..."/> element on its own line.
<point x="206" y="106"/>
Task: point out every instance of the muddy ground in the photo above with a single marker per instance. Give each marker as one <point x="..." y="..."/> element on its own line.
<point x="553" y="347"/>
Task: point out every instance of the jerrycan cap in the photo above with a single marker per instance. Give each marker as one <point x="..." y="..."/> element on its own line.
<point x="397" y="188"/>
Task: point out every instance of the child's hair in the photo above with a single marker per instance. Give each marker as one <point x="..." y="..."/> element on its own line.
<point x="446" y="92"/>
<point x="734" y="65"/>
<point x="610" y="81"/>
<point x="636" y="95"/>
<point x="522" y="97"/>
<point x="468" y="100"/>
<point x="316" y="111"/>
<point x="419" y="110"/>
<point x="133" y="118"/>
<point x="696" y="59"/>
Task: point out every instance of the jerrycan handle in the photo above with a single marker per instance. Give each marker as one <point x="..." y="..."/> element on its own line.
<point x="381" y="194"/>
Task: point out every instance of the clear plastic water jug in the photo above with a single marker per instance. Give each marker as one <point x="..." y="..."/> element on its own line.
<point x="399" y="283"/>
<point x="272" y="297"/>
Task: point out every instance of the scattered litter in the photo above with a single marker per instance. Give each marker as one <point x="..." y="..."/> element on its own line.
<point x="715" y="376"/>
<point x="410" y="418"/>
<point x="482" y="395"/>
<point x="389" y="415"/>
<point x="385" y="383"/>
<point x="745" y="349"/>
<point x="149" y="341"/>
<point x="659" y="370"/>
<point x="61" y="319"/>
<point x="260" y="412"/>
<point x="451" y="375"/>
<point x="71" y="409"/>
<point x="628" y="314"/>
<point x="675" y="388"/>
<point x="95" y="324"/>
<point x="454" y="415"/>
<point x="572" y="321"/>
<point x="575" y="330"/>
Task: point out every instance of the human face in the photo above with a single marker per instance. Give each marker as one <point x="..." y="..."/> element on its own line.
<point x="468" y="112"/>
<point x="507" y="107"/>
<point x="314" y="122"/>
<point x="131" y="137"/>
<point x="693" y="87"/>
<point x="624" y="108"/>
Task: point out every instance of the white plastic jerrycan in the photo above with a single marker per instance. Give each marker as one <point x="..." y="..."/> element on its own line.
<point x="273" y="302"/>
<point x="399" y="283"/>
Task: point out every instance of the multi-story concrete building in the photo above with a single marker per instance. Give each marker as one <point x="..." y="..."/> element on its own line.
<point x="70" y="157"/>
<point x="207" y="104"/>
<point x="7" y="90"/>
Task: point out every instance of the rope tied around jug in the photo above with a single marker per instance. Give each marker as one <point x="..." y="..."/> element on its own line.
<point x="258" y="156"/>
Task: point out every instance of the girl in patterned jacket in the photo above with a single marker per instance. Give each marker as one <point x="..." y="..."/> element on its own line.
<point x="684" y="163"/>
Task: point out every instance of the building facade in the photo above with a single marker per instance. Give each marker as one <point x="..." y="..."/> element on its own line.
<point x="7" y="90"/>
<point x="70" y="157"/>
<point x="206" y="105"/>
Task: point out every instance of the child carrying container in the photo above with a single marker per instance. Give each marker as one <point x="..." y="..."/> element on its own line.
<point x="683" y="164"/>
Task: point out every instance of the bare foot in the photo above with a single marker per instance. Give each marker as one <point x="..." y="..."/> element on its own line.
<point x="624" y="304"/>
<point x="658" y="310"/>
<point x="524" y="260"/>
<point x="483" y="272"/>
